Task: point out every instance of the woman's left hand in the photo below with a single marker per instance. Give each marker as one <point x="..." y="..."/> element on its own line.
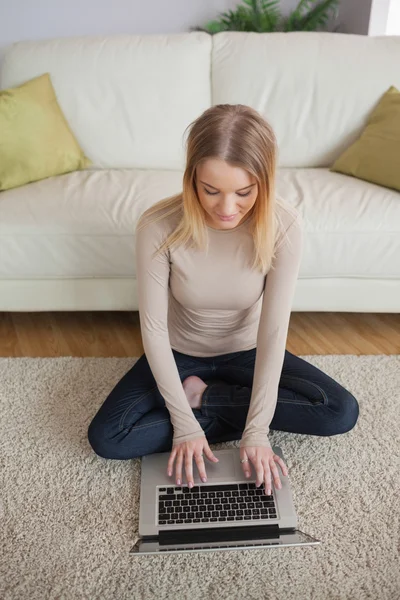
<point x="264" y="461"/>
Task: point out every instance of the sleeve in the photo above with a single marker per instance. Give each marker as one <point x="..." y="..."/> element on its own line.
<point x="272" y="335"/>
<point x="152" y="276"/>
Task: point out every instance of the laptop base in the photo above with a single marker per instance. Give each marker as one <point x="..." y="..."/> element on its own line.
<point x="152" y="545"/>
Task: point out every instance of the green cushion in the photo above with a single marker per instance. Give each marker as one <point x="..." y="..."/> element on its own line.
<point x="35" y="139"/>
<point x="375" y="156"/>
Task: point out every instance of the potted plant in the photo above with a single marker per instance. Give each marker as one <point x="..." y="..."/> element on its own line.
<point x="265" y="16"/>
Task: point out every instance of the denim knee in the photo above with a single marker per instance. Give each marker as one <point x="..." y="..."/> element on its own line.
<point x="98" y="441"/>
<point x="351" y="412"/>
<point x="346" y="418"/>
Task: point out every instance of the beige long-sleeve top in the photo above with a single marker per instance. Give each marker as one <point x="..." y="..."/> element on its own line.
<point x="209" y="304"/>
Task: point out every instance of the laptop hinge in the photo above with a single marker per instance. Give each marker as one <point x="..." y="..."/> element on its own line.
<point x="215" y="534"/>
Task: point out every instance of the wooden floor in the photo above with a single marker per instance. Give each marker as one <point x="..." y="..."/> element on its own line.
<point x="118" y="334"/>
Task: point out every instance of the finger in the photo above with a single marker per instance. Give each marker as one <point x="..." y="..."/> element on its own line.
<point x="201" y="467"/>
<point x="179" y="461"/>
<point x="275" y="474"/>
<point x="246" y="465"/>
<point x="189" y="467"/>
<point x="259" y="468"/>
<point x="170" y="464"/>
<point x="209" y="453"/>
<point x="267" y="478"/>
<point x="281" y="464"/>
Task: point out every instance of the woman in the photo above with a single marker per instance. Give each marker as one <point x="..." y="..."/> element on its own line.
<point x="216" y="271"/>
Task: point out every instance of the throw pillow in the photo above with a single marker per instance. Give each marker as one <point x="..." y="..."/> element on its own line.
<point x="375" y="156"/>
<point x="35" y="139"/>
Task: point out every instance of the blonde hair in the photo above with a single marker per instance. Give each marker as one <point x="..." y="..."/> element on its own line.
<point x="239" y="135"/>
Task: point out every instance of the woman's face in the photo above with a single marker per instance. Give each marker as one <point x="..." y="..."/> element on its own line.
<point x="225" y="190"/>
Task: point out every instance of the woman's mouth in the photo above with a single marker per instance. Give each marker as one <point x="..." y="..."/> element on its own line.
<point x="228" y="218"/>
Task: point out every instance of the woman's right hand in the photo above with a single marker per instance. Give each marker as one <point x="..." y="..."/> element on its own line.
<point x="184" y="454"/>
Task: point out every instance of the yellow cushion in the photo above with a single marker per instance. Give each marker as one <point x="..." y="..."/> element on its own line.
<point x="375" y="156"/>
<point x="35" y="139"/>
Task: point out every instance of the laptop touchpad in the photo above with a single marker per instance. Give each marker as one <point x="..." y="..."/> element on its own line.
<point x="225" y="468"/>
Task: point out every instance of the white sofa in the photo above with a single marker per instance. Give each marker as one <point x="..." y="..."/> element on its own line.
<point x="67" y="242"/>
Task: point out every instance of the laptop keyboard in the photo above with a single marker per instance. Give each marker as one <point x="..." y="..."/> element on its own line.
<point x="214" y="503"/>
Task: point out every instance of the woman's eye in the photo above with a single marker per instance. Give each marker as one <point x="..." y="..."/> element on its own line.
<point x="215" y="193"/>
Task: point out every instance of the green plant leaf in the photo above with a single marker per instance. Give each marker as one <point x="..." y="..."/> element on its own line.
<point x="265" y="16"/>
<point x="215" y="27"/>
<point x="320" y="15"/>
<point x="271" y="15"/>
<point x="314" y="17"/>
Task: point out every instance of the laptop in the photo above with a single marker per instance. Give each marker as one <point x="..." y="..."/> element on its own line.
<point x="228" y="512"/>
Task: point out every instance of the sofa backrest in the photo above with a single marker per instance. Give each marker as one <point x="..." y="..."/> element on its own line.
<point x="129" y="98"/>
<point x="315" y="88"/>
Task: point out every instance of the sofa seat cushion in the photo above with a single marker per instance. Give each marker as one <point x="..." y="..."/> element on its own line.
<point x="82" y="224"/>
<point x="79" y="224"/>
<point x="352" y="227"/>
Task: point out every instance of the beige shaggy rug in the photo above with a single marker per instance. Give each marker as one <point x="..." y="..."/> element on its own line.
<point x="69" y="517"/>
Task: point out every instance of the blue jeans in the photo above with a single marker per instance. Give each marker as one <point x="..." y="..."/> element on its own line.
<point x="134" y="421"/>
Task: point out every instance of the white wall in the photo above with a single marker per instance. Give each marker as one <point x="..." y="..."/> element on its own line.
<point x="393" y="23"/>
<point x="385" y="17"/>
<point x="379" y="16"/>
<point x="40" y="19"/>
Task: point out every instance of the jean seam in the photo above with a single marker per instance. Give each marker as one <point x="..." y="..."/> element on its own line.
<point x="279" y="400"/>
<point x="247" y="404"/>
<point x="163" y="421"/>
<point x="282" y="401"/>
<point x="129" y="408"/>
<point x="294" y="402"/>
<point x="204" y="398"/>
<point x="289" y="377"/>
<point x="150" y="424"/>
<point x="324" y="395"/>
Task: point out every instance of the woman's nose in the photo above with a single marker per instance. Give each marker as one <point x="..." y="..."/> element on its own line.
<point x="227" y="209"/>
